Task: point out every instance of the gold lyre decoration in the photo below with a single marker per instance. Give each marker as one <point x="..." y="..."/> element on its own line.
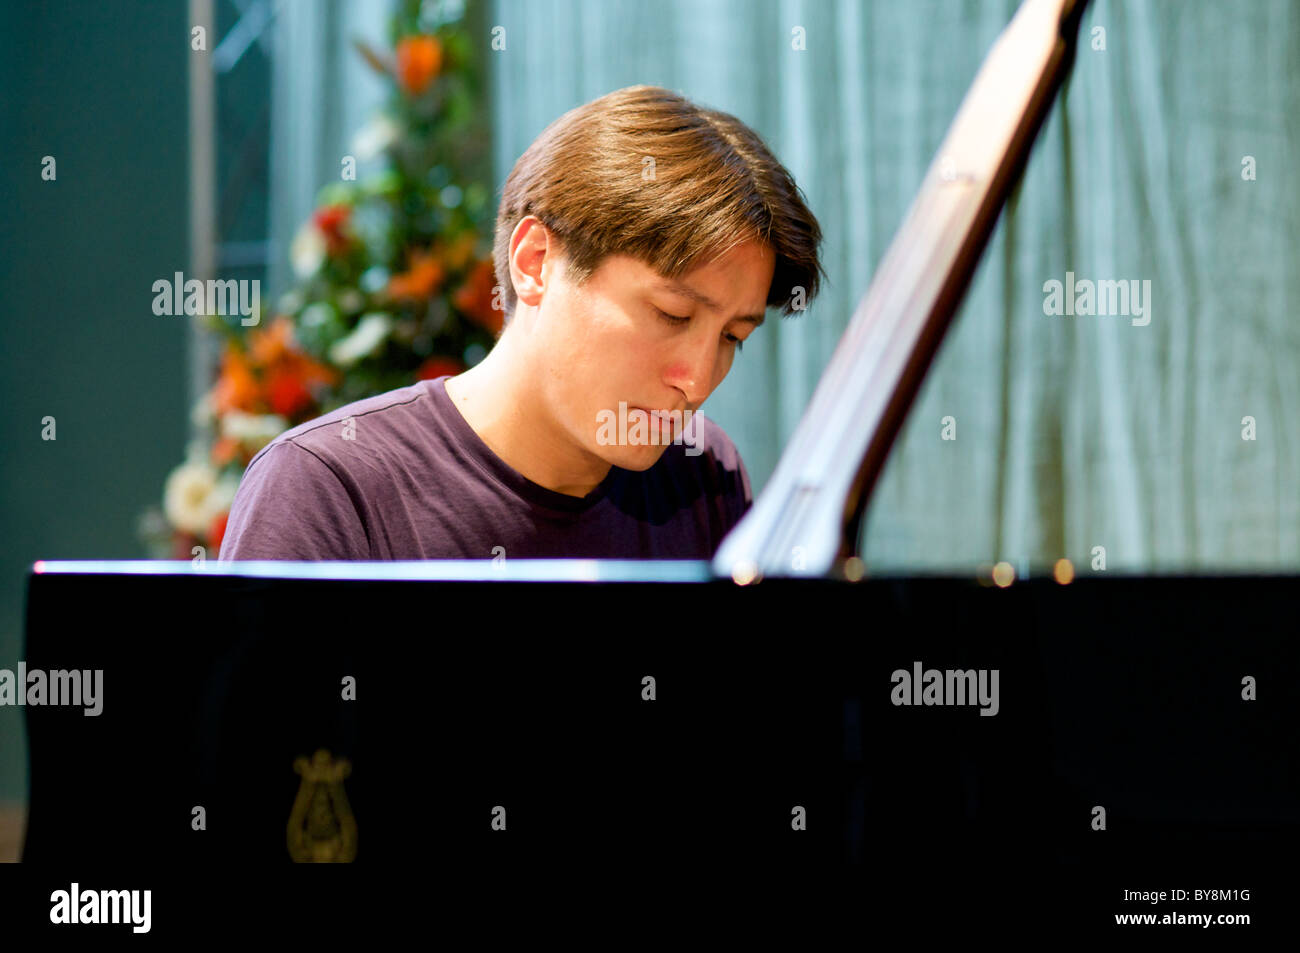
<point x="322" y="829"/>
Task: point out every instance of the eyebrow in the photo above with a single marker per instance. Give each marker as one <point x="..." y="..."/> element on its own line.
<point x="682" y="289"/>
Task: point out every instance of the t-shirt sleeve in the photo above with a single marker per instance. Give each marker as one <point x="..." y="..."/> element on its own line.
<point x="291" y="505"/>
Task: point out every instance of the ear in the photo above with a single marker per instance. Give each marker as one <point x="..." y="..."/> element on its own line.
<point x="529" y="246"/>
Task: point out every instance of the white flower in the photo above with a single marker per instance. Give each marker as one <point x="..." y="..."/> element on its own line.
<point x="365" y="338"/>
<point x="254" y="431"/>
<point x="373" y="138"/>
<point x="194" y="496"/>
<point x="186" y="495"/>
<point x="307" y="250"/>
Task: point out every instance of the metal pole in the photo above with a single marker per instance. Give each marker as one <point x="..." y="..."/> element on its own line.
<point x="202" y="104"/>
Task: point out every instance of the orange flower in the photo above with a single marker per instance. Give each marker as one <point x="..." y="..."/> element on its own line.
<point x="418" y="60"/>
<point x="330" y="220"/>
<point x="474" y="298"/>
<point x="423" y="276"/>
<point x="217" y="531"/>
<point x="312" y="372"/>
<point x="224" y="450"/>
<point x="287" y="375"/>
<point x="461" y="250"/>
<point x="289" y="383"/>
<point x="236" y="387"/>
<point x="286" y="393"/>
<point x="437" y="366"/>
<point x="268" y="345"/>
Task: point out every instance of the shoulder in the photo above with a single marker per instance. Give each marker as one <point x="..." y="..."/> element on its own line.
<point x="308" y="494"/>
<point x="354" y="430"/>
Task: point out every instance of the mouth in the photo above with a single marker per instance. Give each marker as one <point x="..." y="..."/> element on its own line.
<point x="661" y="423"/>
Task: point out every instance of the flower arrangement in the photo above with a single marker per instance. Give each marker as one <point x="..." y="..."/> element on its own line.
<point x="395" y="281"/>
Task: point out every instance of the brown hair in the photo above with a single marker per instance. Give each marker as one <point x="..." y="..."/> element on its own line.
<point x="713" y="184"/>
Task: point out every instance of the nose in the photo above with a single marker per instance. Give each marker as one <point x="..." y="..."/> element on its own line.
<point x="693" y="365"/>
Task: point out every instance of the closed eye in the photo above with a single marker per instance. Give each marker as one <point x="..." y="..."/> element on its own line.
<point x="675" y="319"/>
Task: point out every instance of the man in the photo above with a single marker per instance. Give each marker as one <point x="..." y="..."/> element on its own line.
<point x="638" y="243"/>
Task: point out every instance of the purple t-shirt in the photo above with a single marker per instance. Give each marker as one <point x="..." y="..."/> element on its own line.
<point x="402" y="475"/>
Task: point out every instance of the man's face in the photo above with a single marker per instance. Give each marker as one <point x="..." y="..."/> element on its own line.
<point x="609" y="342"/>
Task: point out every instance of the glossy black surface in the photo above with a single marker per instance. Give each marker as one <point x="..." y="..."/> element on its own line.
<point x="1120" y="692"/>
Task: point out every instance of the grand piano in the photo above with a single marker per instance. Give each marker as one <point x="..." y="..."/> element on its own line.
<point x="778" y="709"/>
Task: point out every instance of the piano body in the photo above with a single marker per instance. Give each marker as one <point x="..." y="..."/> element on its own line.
<point x="770" y="710"/>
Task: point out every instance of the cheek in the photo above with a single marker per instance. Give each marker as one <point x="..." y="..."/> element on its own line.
<point x="618" y="339"/>
<point x="571" y="332"/>
<point x="722" y="366"/>
<point x="598" y="347"/>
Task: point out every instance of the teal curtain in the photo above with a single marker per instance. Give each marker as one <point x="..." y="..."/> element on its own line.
<point x="323" y="95"/>
<point x="1071" y="432"/>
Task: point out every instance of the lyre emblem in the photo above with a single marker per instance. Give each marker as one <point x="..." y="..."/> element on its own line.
<point x="322" y="829"/>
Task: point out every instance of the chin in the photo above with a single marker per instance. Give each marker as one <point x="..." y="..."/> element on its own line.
<point x="632" y="458"/>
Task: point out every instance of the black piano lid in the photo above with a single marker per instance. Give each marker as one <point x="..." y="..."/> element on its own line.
<point x="1122" y="691"/>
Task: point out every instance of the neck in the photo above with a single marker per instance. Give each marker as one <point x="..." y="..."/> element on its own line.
<point x="502" y="402"/>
